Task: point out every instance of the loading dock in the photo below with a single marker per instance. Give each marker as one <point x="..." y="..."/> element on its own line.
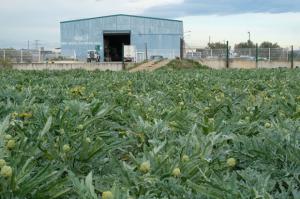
<point x="113" y="45"/>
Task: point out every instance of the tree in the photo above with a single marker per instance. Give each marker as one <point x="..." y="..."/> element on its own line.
<point x="267" y="44"/>
<point x="248" y="44"/>
<point x="217" y="45"/>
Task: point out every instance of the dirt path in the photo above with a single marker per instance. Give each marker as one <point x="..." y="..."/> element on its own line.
<point x="150" y="66"/>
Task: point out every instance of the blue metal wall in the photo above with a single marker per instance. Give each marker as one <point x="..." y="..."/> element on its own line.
<point x="162" y="36"/>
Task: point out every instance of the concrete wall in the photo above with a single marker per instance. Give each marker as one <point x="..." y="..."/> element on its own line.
<point x="70" y="66"/>
<point x="244" y="64"/>
<point x="161" y="35"/>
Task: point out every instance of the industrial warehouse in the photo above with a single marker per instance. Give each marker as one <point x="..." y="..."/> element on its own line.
<point x="143" y="37"/>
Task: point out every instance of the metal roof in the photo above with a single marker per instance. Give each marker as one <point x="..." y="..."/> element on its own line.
<point x="120" y="15"/>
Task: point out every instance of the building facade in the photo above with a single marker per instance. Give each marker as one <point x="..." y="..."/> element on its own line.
<point x="149" y="37"/>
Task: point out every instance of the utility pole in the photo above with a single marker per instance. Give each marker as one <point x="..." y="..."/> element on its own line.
<point x="28" y="45"/>
<point x="209" y="39"/>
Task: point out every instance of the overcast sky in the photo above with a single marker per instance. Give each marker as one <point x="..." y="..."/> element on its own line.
<point x="273" y="20"/>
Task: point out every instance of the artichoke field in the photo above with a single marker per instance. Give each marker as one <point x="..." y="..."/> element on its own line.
<point x="192" y="133"/>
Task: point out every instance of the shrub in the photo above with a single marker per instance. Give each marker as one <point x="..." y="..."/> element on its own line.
<point x="185" y="64"/>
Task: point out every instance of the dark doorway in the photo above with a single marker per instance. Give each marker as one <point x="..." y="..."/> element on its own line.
<point x="113" y="45"/>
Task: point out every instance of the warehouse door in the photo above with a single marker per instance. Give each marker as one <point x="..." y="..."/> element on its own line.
<point x="113" y="45"/>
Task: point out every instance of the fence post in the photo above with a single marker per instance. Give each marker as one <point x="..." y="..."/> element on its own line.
<point x="33" y="57"/>
<point x="4" y="54"/>
<point x="292" y="57"/>
<point x="182" y="48"/>
<point x="123" y="61"/>
<point x="74" y="55"/>
<point x="256" y="56"/>
<point x="227" y="54"/>
<point x="146" y="51"/>
<point x="21" y="56"/>
<point x="269" y="54"/>
<point x="39" y="55"/>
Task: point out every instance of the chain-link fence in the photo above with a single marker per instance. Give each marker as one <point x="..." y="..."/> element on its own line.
<point x="263" y="54"/>
<point x="150" y="54"/>
<point x="28" y="56"/>
<point x="205" y="53"/>
<point x="297" y="55"/>
<point x="42" y="56"/>
<point x="253" y="57"/>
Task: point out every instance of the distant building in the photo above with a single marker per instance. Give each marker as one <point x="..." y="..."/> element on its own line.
<point x="149" y="36"/>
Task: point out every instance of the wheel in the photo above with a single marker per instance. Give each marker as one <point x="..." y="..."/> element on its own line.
<point x="88" y="60"/>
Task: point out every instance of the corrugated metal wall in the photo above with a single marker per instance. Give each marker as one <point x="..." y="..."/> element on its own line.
<point x="161" y="36"/>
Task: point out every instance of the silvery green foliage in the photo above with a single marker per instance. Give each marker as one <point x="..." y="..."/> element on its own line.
<point x="113" y="122"/>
